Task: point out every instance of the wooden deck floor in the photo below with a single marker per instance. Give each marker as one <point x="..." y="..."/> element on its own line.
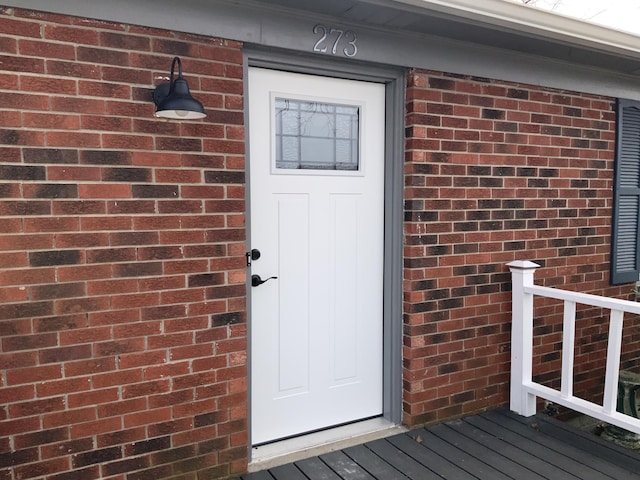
<point x="496" y="445"/>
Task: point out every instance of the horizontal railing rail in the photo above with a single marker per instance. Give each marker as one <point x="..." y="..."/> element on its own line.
<point x="523" y="389"/>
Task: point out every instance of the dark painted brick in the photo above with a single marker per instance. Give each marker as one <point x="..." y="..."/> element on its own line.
<point x="97" y="456"/>
<point x="551" y="130"/>
<point x="572" y="132"/>
<point x="537" y="183"/>
<point x="448" y="368"/>
<point x="26" y="208"/>
<point x="155" y="191"/>
<point x="477" y="279"/>
<point x="541" y="118"/>
<point x="161" y="471"/>
<point x="213" y="445"/>
<point x="463" y="291"/>
<point x="442" y="84"/>
<point x="506" y="126"/>
<point x="230" y="318"/>
<point x="134" y="238"/>
<point x="526" y="213"/>
<point x="123" y="466"/>
<point x="436" y="250"/>
<point x="489" y="204"/>
<point x="228" y="291"/>
<point x="139" y="269"/>
<point x="517" y="93"/>
<point x="57" y="290"/>
<point x="106" y="157"/>
<point x="11" y="137"/>
<point x="173" y="455"/>
<point x="224" y="177"/>
<point x="63" y="354"/>
<point x="492" y="113"/>
<point x="206" y="279"/>
<point x="465" y="248"/>
<point x="489" y="182"/>
<point x="479" y="171"/>
<point x="111" y="255"/>
<point x="515" y="225"/>
<point x="478" y="215"/>
<point x="151" y="445"/>
<point x="54" y="257"/>
<point x="513" y="203"/>
<point x="420" y="216"/>
<point x="421" y="307"/>
<point x="8" y="190"/>
<point x="549" y="172"/>
<point x="23" y="310"/>
<point x="127" y="175"/>
<point x="438" y="294"/>
<point x="206" y="419"/>
<point x="78" y="474"/>
<point x="572" y="111"/>
<point x="44" y="436"/>
<point x="568" y="213"/>
<point x="29" y="342"/>
<point x="527" y="172"/>
<point x="19" y="172"/>
<point x="54" y="324"/>
<point x="55" y="190"/>
<point x="18" y="457"/>
<point x="50" y="155"/>
<point x="510" y="246"/>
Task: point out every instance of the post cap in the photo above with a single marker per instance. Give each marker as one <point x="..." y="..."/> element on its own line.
<point x="522" y="265"/>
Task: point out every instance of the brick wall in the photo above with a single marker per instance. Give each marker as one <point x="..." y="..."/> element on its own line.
<point x="497" y="172"/>
<point x="122" y="279"/>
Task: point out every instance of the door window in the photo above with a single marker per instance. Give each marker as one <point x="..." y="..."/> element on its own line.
<point x="313" y="135"/>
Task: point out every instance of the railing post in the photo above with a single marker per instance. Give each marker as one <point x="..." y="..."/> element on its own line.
<point x="522" y="273"/>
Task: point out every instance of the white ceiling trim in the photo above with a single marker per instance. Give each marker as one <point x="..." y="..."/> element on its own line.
<point x="533" y="21"/>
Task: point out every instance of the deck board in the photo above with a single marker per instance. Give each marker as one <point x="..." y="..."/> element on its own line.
<point x="420" y="445"/>
<point x="345" y="467"/>
<point x="533" y="468"/>
<point x="496" y="445"/>
<point x="373" y="464"/>
<point x="568" y="456"/>
<point x="492" y="460"/>
<point x="547" y="449"/>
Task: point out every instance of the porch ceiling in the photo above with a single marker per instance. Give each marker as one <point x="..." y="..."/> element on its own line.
<point x="496" y="24"/>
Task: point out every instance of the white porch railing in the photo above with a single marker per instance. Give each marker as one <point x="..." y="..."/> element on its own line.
<point x="523" y="389"/>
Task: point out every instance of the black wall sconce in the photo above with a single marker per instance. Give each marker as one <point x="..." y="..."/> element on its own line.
<point x="173" y="99"/>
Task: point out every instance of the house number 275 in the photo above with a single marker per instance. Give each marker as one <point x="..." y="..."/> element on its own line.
<point x="335" y="40"/>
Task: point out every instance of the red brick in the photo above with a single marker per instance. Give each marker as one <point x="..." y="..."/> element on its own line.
<point x="73" y="139"/>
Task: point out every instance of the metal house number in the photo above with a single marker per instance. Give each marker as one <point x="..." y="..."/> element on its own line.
<point x="335" y="40"/>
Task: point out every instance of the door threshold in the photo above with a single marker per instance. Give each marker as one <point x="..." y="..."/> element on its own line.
<point x="318" y="443"/>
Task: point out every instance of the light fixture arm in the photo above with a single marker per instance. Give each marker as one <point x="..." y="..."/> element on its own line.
<point x="173" y="67"/>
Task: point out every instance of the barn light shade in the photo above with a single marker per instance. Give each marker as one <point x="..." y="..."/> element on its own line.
<point x="173" y="99"/>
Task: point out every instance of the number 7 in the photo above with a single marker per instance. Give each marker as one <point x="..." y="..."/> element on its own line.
<point x="335" y="44"/>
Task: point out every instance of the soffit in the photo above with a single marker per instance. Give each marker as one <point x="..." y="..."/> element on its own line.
<point x="493" y="23"/>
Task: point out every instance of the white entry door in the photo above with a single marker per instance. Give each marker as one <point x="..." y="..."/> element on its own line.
<point x="316" y="181"/>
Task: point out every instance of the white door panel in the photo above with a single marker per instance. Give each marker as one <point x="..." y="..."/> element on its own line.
<point x="316" y="330"/>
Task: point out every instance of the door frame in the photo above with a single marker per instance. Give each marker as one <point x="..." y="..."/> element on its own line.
<point x="394" y="81"/>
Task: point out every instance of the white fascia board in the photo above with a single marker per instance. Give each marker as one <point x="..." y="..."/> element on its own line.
<point x="533" y="21"/>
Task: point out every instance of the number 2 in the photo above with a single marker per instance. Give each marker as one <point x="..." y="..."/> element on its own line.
<point x="317" y="47"/>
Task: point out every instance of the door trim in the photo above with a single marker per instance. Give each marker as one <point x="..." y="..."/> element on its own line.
<point x="394" y="81"/>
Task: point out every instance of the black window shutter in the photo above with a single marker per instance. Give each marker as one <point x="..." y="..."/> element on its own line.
<point x="625" y="239"/>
